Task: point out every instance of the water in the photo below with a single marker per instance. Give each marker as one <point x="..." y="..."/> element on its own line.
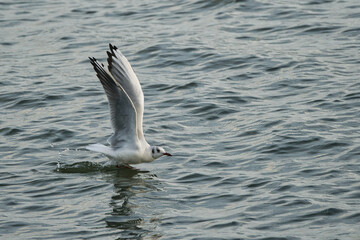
<point x="258" y="101"/>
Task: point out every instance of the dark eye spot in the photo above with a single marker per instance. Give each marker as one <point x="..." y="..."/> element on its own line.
<point x="158" y="150"/>
<point x="153" y="151"/>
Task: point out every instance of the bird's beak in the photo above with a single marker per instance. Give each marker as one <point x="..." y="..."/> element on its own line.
<point x="168" y="154"/>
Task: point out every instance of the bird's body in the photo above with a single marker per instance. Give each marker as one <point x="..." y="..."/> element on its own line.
<point x="126" y="102"/>
<point x="125" y="155"/>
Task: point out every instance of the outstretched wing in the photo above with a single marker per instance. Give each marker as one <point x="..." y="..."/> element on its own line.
<point x="122" y="110"/>
<point x="123" y="73"/>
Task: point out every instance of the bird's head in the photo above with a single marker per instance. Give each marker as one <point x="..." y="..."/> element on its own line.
<point x="157" y="152"/>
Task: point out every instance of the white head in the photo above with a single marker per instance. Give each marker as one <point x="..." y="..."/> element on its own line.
<point x="157" y="152"/>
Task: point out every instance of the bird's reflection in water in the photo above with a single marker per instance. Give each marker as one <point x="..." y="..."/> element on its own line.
<point x="129" y="211"/>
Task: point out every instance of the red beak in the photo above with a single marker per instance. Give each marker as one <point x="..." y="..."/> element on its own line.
<point x="168" y="154"/>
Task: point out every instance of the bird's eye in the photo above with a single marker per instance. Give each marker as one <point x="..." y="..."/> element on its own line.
<point x="158" y="150"/>
<point x="153" y="151"/>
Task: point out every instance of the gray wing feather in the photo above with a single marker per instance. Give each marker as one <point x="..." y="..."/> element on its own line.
<point x="122" y="110"/>
<point x="123" y="73"/>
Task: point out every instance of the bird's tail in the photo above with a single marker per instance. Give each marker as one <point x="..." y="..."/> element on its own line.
<point x="101" y="149"/>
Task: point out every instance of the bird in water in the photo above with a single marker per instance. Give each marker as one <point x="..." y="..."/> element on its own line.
<point x="126" y="102"/>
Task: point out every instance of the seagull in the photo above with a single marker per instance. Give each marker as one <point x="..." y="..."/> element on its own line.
<point x="126" y="102"/>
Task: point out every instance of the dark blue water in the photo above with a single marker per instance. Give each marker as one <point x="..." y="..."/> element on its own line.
<point x="258" y="101"/>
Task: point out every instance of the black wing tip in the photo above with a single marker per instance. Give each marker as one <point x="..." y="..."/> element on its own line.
<point x="92" y="60"/>
<point x="103" y="76"/>
<point x="110" y="54"/>
<point x="112" y="47"/>
<point x="97" y="65"/>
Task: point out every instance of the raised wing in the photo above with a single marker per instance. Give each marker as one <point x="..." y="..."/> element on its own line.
<point x="123" y="73"/>
<point x="122" y="110"/>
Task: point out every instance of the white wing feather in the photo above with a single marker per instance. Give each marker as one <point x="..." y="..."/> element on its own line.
<point x="122" y="110"/>
<point x="121" y="70"/>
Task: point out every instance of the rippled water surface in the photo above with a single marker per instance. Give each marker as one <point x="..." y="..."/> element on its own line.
<point x="258" y="101"/>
